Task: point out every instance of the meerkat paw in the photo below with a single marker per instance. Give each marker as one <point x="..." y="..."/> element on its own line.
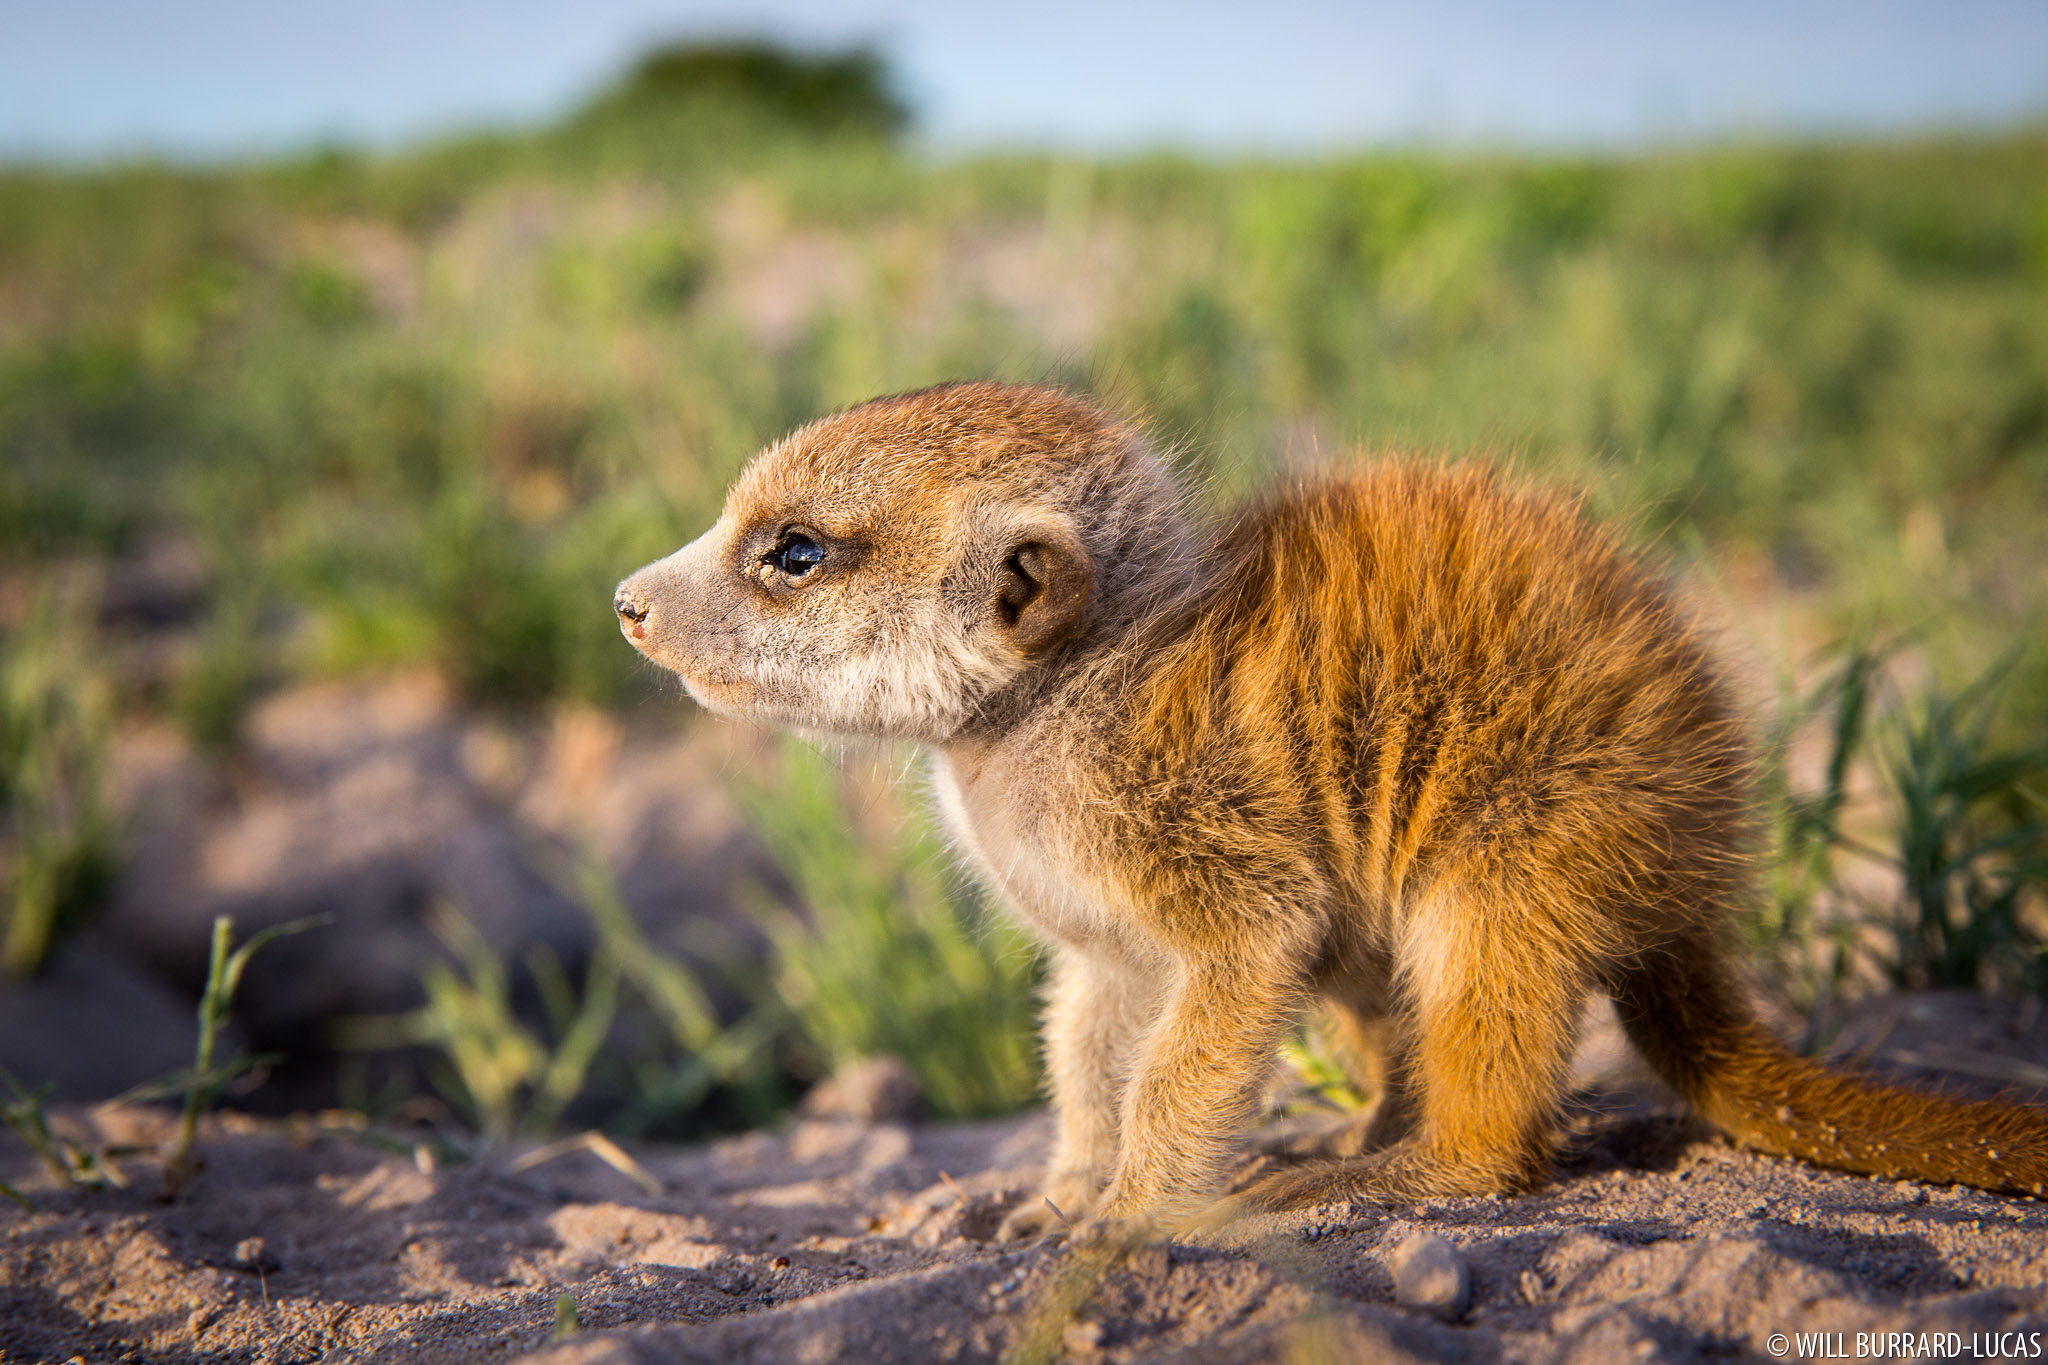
<point x="1301" y="1186"/>
<point x="1126" y="1218"/>
<point x="1397" y="1175"/>
<point x="1050" y="1212"/>
<point x="1034" y="1220"/>
<point x="1113" y="1237"/>
<point x="1322" y="1135"/>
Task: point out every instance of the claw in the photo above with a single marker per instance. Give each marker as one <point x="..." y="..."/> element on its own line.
<point x="1029" y="1224"/>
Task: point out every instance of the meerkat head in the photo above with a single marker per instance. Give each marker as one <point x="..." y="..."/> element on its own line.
<point x="890" y="569"/>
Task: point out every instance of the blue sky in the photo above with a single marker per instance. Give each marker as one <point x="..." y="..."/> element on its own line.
<point x="90" y="78"/>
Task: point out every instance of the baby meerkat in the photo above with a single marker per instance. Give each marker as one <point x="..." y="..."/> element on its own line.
<point x="1411" y="741"/>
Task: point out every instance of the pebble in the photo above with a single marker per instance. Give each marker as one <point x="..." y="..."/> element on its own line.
<point x="1430" y="1275"/>
<point x="253" y="1256"/>
<point x="1149" y="1262"/>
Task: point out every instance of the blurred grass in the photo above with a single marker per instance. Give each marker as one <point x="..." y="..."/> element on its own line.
<point x="1916" y="851"/>
<point x="1971" y="845"/>
<point x="56" y="832"/>
<point x="889" y="957"/>
<point x="487" y="1063"/>
<point x="429" y="406"/>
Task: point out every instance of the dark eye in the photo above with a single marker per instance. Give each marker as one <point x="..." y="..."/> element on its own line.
<point x="797" y="555"/>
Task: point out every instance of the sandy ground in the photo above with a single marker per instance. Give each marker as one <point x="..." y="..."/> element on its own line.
<point x="835" y="1240"/>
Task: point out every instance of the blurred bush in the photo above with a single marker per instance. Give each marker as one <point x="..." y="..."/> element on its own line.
<point x="818" y="93"/>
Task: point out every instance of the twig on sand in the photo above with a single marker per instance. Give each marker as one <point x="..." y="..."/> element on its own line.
<point x="599" y="1146"/>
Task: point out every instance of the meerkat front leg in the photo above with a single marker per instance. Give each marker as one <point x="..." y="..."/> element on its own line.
<point x="1095" y="1014"/>
<point x="1196" y="1086"/>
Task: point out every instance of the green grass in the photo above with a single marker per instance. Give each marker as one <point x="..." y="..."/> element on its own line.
<point x="56" y="833"/>
<point x="429" y="406"/>
<point x="888" y="955"/>
<point x="493" y="1069"/>
<point x="1953" y="823"/>
<point x="637" y="1040"/>
<point x="1971" y="843"/>
<point x="97" y="1167"/>
<point x="1808" y="952"/>
<point x="67" y="1160"/>
<point x="202" y="1085"/>
<point x="883" y="954"/>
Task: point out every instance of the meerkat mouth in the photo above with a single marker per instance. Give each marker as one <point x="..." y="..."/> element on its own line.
<point x="708" y="692"/>
<point x="726" y="693"/>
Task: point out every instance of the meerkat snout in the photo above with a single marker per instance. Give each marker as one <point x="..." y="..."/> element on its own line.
<point x="631" y="611"/>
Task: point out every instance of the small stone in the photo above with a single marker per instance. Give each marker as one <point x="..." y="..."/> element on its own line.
<point x="1149" y="1262"/>
<point x="872" y="1090"/>
<point x="1533" y="1288"/>
<point x="1430" y="1275"/>
<point x="1082" y="1339"/>
<point x="200" y="1319"/>
<point x="251" y="1255"/>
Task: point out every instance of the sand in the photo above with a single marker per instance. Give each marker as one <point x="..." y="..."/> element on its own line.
<point x="837" y="1240"/>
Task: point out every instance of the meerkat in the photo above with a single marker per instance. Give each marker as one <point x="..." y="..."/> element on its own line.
<point x="1409" y="740"/>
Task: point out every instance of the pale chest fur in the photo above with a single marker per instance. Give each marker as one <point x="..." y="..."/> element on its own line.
<point x="1008" y="830"/>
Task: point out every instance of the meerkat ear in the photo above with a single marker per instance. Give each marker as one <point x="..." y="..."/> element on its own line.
<point x="1043" y="585"/>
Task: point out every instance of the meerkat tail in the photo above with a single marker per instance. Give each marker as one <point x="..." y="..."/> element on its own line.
<point x="1691" y="1021"/>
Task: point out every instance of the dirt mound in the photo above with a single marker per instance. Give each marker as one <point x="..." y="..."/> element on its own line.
<point x="372" y="801"/>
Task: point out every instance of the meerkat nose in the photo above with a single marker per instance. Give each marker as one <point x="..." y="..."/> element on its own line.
<point x="632" y="612"/>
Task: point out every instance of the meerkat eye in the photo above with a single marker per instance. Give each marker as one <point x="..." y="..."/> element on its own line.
<point x="797" y="555"/>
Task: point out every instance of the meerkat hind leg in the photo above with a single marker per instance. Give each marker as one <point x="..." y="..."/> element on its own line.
<point x="1492" y="1042"/>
